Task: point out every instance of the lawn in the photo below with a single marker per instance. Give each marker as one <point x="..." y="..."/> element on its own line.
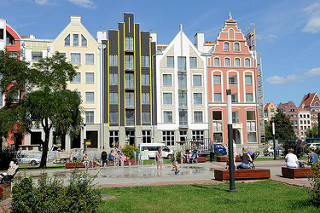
<point x="261" y="196"/>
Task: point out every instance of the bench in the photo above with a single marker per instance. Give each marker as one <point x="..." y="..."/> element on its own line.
<point x="296" y="172"/>
<point x="126" y="163"/>
<point x="78" y="165"/>
<point x="224" y="159"/>
<point x="5" y="190"/>
<point x="223" y="174"/>
<point x="199" y="160"/>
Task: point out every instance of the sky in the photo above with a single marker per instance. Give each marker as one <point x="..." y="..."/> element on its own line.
<point x="287" y="31"/>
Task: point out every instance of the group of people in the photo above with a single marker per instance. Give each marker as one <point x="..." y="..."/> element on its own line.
<point x="292" y="160"/>
<point x="159" y="160"/>
<point x="117" y="156"/>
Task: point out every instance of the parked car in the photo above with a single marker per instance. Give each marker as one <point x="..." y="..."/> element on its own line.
<point x="153" y="148"/>
<point x="26" y="159"/>
<point x="218" y="149"/>
<point x="315" y="145"/>
<point x="269" y="151"/>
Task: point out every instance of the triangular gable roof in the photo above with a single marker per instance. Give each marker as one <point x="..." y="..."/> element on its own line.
<point x="301" y="109"/>
<point x="307" y="100"/>
<point x="266" y="106"/>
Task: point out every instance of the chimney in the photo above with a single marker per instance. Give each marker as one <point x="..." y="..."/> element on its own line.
<point x="199" y="40"/>
<point x="75" y="19"/>
<point x="153" y="37"/>
<point x="101" y="35"/>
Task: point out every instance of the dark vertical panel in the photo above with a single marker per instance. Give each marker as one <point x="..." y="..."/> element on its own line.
<point x="145" y="43"/>
<point x="129" y="20"/>
<point x="137" y="74"/>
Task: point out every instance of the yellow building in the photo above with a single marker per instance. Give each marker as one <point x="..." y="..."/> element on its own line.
<point x="270" y="110"/>
<point x="83" y="51"/>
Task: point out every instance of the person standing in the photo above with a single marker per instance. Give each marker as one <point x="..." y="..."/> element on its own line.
<point x="104" y="158"/>
<point x="159" y="158"/>
<point x="291" y="159"/>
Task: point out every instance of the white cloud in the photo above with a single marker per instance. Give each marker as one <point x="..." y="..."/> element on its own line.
<point x="41" y="2"/>
<point x="83" y="3"/>
<point x="313" y="24"/>
<point x="313" y="72"/>
<point x="268" y="37"/>
<point x="276" y="80"/>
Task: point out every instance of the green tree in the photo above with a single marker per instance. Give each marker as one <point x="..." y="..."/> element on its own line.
<point x="51" y="105"/>
<point x="313" y="132"/>
<point x="283" y="128"/>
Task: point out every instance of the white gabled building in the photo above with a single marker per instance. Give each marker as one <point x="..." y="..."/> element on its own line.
<point x="181" y="92"/>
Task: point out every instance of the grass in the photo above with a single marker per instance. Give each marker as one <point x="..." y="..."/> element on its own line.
<point x="24" y="167"/>
<point x="261" y="196"/>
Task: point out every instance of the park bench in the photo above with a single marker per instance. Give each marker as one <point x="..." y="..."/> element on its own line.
<point x="78" y="165"/>
<point x="224" y="159"/>
<point x="296" y="172"/>
<point x="223" y="174"/>
<point x="5" y="190"/>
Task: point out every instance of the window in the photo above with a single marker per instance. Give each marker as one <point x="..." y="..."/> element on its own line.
<point x="145" y="98"/>
<point x="89" y="78"/>
<point x="129" y="81"/>
<point x="113" y="117"/>
<point x="236" y="47"/>
<point x="145" y="61"/>
<point x="237" y="62"/>
<point x="89" y="117"/>
<point x="182" y="99"/>
<point x="217" y="62"/>
<point x="217" y="79"/>
<point x="83" y="41"/>
<point x="248" y="80"/>
<point x="1" y="33"/>
<point x="146" y="136"/>
<point x="249" y="97"/>
<point x="167" y="79"/>
<point x="197" y="80"/>
<point x="168" y="137"/>
<point x="197" y="135"/>
<point x="247" y="62"/>
<point x="36" y="56"/>
<point x="129" y="62"/>
<point x="197" y="98"/>
<point x="145" y="79"/>
<point x="129" y="44"/>
<point x="75" y="40"/>
<point x="233" y="80"/>
<point x="75" y="58"/>
<point x="129" y="99"/>
<point x="167" y="117"/>
<point x="225" y="46"/>
<point x="89" y="97"/>
<point x="89" y="58"/>
<point x="183" y="118"/>
<point x="193" y="62"/>
<point x="170" y="61"/>
<point x="183" y="135"/>
<point x="227" y="62"/>
<point x="234" y="97"/>
<point x="167" y="98"/>
<point x="67" y="41"/>
<point x="63" y="54"/>
<point x="197" y="117"/>
<point x="130" y="118"/>
<point x="113" y="79"/>
<point x="217" y="97"/>
<point x="79" y="93"/>
<point x="181" y="63"/>
<point x="113" y="98"/>
<point x="76" y="79"/>
<point x="146" y="118"/>
<point x="235" y="117"/>
<point x="113" y="60"/>
<point x="182" y="81"/>
<point x="113" y="137"/>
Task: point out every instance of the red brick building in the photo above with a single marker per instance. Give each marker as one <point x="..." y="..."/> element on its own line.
<point x="311" y="102"/>
<point x="291" y="111"/>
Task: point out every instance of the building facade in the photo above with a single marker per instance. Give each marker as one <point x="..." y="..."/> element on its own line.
<point x="311" y="102"/>
<point x="181" y="92"/>
<point x="291" y="111"/>
<point x="304" y="120"/>
<point x="129" y="85"/>
<point x="233" y="66"/>
<point x="270" y="110"/>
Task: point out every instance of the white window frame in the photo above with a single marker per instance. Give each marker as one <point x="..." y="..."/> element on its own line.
<point x="87" y="75"/>
<point x="91" y="55"/>
<point x="87" y="93"/>
<point x="163" y="79"/>
<point x="163" y="98"/>
<point x="193" y="80"/>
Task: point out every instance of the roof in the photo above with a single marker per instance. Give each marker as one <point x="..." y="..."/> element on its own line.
<point x="266" y="106"/>
<point x="301" y="109"/>
<point x="307" y="99"/>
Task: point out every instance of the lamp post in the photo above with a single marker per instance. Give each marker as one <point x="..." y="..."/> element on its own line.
<point x="230" y="143"/>
<point x="274" y="141"/>
<point x="84" y="137"/>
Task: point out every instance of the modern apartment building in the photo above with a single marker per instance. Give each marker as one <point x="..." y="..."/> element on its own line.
<point x="291" y="111"/>
<point x="311" y="102"/>
<point x="181" y="92"/>
<point x="304" y="120"/>
<point x="232" y="66"/>
<point x="129" y="85"/>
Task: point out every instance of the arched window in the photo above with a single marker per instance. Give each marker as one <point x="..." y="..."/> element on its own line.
<point x="236" y="47"/>
<point x="217" y="62"/>
<point x="247" y="62"/>
<point x="237" y="62"/>
<point x="226" y="46"/>
<point x="227" y="62"/>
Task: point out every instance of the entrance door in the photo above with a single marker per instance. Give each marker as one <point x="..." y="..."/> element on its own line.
<point x="236" y="136"/>
<point x="130" y="137"/>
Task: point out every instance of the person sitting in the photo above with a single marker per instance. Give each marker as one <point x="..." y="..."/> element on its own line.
<point x="111" y="156"/>
<point x="313" y="158"/>
<point x="246" y="159"/>
<point x="85" y="159"/>
<point x="291" y="159"/>
<point x="187" y="156"/>
<point x="104" y="158"/>
<point x="176" y="168"/>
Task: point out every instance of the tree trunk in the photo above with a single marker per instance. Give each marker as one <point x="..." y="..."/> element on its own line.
<point x="43" y="163"/>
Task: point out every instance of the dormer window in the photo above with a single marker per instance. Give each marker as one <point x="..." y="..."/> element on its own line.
<point x="67" y="41"/>
<point x="236" y="47"/>
<point x="75" y="40"/>
<point x="226" y="46"/>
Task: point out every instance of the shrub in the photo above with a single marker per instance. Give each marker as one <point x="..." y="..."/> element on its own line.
<point x="314" y="191"/>
<point x="49" y="195"/>
<point x="6" y="155"/>
<point x="129" y="150"/>
<point x="296" y="145"/>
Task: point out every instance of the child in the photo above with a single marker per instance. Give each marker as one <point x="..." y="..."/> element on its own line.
<point x="176" y="168"/>
<point x="122" y="158"/>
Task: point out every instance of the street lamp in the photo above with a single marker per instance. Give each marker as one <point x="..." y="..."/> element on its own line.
<point x="274" y="141"/>
<point x="84" y="137"/>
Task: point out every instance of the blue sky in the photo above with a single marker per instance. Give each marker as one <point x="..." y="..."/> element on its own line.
<point x="288" y="31"/>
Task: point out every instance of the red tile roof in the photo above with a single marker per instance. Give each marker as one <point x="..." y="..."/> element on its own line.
<point x="301" y="109"/>
<point x="266" y="107"/>
<point x="307" y="100"/>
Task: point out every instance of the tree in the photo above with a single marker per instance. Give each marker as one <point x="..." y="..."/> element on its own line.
<point x="283" y="128"/>
<point x="51" y="105"/>
<point x="313" y="132"/>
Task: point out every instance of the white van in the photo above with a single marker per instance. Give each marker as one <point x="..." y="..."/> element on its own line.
<point x="152" y="149"/>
